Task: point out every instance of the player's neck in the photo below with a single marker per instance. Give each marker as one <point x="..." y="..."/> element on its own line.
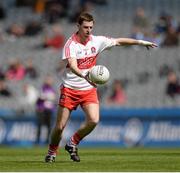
<point x="82" y="39"/>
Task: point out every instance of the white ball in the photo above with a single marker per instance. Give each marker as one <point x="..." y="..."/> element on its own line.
<point x="99" y="74"/>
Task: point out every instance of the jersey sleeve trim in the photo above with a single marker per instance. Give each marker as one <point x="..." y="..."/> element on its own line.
<point x="67" y="49"/>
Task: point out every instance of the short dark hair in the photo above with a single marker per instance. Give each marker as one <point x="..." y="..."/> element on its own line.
<point x="84" y="17"/>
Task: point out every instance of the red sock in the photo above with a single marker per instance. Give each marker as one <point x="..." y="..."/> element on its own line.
<point x="52" y="149"/>
<point x="75" y="139"/>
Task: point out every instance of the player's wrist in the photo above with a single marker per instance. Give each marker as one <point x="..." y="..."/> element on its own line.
<point x="144" y="43"/>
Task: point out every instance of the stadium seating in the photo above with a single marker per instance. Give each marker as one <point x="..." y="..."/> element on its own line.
<point x="112" y="20"/>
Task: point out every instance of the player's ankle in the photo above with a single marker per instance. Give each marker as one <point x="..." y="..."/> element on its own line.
<point x="52" y="151"/>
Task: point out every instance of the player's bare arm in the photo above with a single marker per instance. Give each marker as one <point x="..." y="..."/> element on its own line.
<point x="74" y="68"/>
<point x="130" y="41"/>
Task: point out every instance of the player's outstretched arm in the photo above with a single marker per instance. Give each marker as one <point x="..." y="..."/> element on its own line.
<point x="130" y="41"/>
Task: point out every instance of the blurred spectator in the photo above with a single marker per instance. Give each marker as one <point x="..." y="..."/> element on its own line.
<point x="16" y="30"/>
<point x="164" y="70"/>
<point x="28" y="98"/>
<point x="157" y="38"/>
<point x="137" y="33"/>
<point x="172" y="86"/>
<point x="31" y="94"/>
<point x="171" y="37"/>
<point x="140" y="29"/>
<point x="161" y="25"/>
<point x="2" y="13"/>
<point x="143" y="77"/>
<point x="99" y="2"/>
<point x="1" y="36"/>
<point x="164" y="22"/>
<point x="56" y="9"/>
<point x="45" y="106"/>
<point x="117" y="96"/>
<point x="140" y="20"/>
<point x="16" y="70"/>
<point x="2" y="74"/>
<point x="30" y="69"/>
<point x="32" y="28"/>
<point x="81" y="6"/>
<point x="4" y="90"/>
<point x="20" y="3"/>
<point x="39" y="6"/>
<point x="56" y="40"/>
<point x="178" y="29"/>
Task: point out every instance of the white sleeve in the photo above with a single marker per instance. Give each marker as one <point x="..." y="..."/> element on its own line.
<point x="105" y="43"/>
<point x="68" y="51"/>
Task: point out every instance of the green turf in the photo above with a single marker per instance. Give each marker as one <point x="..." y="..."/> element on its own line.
<point x="92" y="159"/>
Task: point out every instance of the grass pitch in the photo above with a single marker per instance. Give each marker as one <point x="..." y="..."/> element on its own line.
<point x="92" y="159"/>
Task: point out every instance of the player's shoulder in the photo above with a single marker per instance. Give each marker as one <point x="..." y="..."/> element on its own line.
<point x="100" y="37"/>
<point x="69" y="42"/>
<point x="97" y="36"/>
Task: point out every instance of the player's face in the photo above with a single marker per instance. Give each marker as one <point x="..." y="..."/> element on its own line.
<point x="85" y="29"/>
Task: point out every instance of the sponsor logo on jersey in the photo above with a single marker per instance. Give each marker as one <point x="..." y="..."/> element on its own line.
<point x="86" y="62"/>
<point x="93" y="49"/>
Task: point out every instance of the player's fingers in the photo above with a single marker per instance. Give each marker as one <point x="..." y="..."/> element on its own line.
<point x="87" y="78"/>
<point x="154" y="45"/>
<point x="147" y="47"/>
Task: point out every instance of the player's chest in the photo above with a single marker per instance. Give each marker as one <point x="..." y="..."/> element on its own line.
<point x="86" y="51"/>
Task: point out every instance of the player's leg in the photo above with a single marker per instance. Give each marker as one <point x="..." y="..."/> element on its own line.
<point x="90" y="105"/>
<point x="92" y="119"/>
<point x="56" y="134"/>
<point x="66" y="105"/>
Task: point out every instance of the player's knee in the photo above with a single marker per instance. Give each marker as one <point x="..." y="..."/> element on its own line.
<point x="94" y="121"/>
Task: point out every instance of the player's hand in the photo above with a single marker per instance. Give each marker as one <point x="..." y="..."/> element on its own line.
<point x="148" y="44"/>
<point x="87" y="78"/>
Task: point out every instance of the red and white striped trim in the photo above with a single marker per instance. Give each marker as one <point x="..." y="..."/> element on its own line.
<point x="67" y="49"/>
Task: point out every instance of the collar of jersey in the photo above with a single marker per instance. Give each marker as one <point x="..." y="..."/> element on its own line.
<point x="76" y="39"/>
